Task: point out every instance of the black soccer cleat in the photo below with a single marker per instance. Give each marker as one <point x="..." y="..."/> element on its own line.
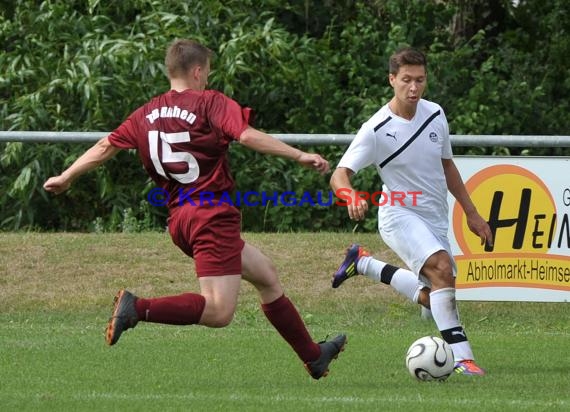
<point x="329" y="350"/>
<point x="124" y="316"/>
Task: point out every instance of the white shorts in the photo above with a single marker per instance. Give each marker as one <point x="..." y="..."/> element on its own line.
<point x="414" y="241"/>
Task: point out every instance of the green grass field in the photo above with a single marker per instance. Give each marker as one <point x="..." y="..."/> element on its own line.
<point x="56" y="293"/>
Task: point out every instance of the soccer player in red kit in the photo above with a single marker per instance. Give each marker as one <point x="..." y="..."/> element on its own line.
<point x="182" y="138"/>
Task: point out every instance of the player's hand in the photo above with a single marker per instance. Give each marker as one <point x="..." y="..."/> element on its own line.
<point x="314" y="161"/>
<point x="357" y="208"/>
<point x="481" y="228"/>
<point x="57" y="184"/>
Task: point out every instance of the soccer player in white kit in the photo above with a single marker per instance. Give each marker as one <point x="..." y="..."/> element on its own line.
<point x="407" y="141"/>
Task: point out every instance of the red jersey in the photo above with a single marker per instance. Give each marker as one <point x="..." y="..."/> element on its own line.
<point x="182" y="139"/>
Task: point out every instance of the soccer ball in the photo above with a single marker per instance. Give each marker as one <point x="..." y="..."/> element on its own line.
<point x="430" y="359"/>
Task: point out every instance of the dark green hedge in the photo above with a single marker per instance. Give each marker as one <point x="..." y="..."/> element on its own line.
<point x="311" y="67"/>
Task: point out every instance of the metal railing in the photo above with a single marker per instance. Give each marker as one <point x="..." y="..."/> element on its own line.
<point x="304" y="139"/>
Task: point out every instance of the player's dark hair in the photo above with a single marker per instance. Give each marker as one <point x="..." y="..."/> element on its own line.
<point x="182" y="54"/>
<point x="406" y="56"/>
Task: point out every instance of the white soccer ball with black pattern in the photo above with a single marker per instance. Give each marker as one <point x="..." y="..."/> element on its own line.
<point x="430" y="359"/>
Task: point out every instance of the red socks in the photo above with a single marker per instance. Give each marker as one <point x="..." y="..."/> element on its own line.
<point x="285" y="318"/>
<point x="185" y="309"/>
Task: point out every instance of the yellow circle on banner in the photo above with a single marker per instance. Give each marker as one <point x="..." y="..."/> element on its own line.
<point x="518" y="206"/>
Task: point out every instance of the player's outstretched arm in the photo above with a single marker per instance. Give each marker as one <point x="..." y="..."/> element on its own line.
<point x="456" y="187"/>
<point x="264" y="143"/>
<point x="96" y="155"/>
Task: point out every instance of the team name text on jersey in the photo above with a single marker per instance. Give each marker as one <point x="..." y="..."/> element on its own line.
<point x="167" y="111"/>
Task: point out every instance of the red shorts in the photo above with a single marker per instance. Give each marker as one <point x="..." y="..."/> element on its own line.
<point x="209" y="234"/>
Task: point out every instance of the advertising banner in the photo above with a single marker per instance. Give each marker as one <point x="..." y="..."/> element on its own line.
<point x="526" y="201"/>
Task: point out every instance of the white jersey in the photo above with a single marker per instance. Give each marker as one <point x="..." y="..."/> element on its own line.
<point x="407" y="155"/>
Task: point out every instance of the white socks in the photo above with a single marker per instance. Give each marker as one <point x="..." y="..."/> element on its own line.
<point x="446" y="317"/>
<point x="404" y="281"/>
<point x="442" y="301"/>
